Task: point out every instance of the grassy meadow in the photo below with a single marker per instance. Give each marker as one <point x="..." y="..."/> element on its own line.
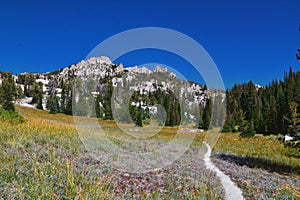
<point x="267" y="151"/>
<point x="43" y="158"/>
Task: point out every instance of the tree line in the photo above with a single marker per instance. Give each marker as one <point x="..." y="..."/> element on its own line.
<point x="251" y="109"/>
<point x="8" y="93"/>
<point x="272" y="109"/>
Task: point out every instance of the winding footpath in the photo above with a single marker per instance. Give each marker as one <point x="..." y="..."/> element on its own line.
<point x="232" y="192"/>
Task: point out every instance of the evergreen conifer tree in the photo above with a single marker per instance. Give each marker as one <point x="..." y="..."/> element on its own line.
<point x="7" y="92"/>
<point x="207" y="114"/>
<point x="294" y="127"/>
<point x="39" y="104"/>
<point x="68" y="110"/>
<point x="248" y="130"/>
<point x="52" y="103"/>
<point x="138" y="121"/>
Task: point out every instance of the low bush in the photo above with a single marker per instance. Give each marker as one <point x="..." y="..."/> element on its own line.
<point x="248" y="130"/>
<point x="226" y="129"/>
<point x="11" y="116"/>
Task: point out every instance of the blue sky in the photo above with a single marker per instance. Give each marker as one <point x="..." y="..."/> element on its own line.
<point x="248" y="40"/>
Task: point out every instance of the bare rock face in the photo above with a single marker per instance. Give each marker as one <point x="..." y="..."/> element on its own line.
<point x="160" y="69"/>
<point x="99" y="60"/>
<point x="141" y="79"/>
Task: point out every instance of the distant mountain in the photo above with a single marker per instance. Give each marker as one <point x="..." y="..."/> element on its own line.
<point x="148" y="87"/>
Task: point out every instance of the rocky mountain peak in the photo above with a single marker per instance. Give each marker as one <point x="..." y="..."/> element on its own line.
<point x="160" y="69"/>
<point x="137" y="79"/>
<point x="99" y="60"/>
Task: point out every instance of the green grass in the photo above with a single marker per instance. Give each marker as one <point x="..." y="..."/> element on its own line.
<point x="11" y="116"/>
<point x="263" y="149"/>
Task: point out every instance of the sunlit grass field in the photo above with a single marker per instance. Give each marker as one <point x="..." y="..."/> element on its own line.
<point x="44" y="158"/>
<point x="263" y="149"/>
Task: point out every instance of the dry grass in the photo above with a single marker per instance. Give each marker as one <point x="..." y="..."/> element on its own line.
<point x="44" y="158"/>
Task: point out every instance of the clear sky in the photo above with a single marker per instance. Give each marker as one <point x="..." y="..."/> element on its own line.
<point x="248" y="40"/>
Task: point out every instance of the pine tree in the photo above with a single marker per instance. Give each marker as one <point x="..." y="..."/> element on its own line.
<point x="40" y="101"/>
<point x="52" y="103"/>
<point x="207" y="115"/>
<point x="29" y="81"/>
<point x="19" y="92"/>
<point x="38" y="95"/>
<point x="138" y="121"/>
<point x="68" y="110"/>
<point x="200" y="119"/>
<point x="248" y="130"/>
<point x="97" y="106"/>
<point x="8" y="91"/>
<point x="174" y="111"/>
<point x="242" y="123"/>
<point x="63" y="97"/>
<point x="271" y="117"/>
<point x="107" y="102"/>
<point x="294" y="128"/>
<point x="228" y="126"/>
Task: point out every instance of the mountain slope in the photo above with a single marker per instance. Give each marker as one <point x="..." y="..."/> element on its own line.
<point x="98" y="76"/>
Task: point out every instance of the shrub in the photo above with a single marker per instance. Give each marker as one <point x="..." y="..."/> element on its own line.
<point x="11" y="116"/>
<point x="226" y="129"/>
<point x="235" y="129"/>
<point x="248" y="130"/>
